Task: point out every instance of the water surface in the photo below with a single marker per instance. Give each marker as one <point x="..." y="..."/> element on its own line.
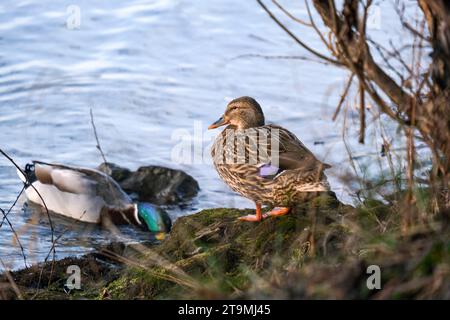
<point x="152" y="71"/>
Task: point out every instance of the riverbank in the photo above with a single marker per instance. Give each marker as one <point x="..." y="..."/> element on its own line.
<point x="320" y="250"/>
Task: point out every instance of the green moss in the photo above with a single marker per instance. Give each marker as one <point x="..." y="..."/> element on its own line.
<point x="434" y="257"/>
<point x="138" y="283"/>
<point x="319" y="250"/>
<point x="209" y="216"/>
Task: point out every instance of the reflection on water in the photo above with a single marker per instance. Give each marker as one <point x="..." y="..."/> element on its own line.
<point x="149" y="69"/>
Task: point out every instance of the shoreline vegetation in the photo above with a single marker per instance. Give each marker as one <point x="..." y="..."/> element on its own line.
<point x="323" y="249"/>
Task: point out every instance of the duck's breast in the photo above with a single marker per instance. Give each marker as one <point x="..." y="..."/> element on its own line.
<point x="82" y="207"/>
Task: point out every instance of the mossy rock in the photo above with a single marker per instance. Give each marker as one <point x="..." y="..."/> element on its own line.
<point x="221" y="251"/>
<point x="321" y="249"/>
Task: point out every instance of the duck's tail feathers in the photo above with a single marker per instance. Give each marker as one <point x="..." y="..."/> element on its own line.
<point x="29" y="176"/>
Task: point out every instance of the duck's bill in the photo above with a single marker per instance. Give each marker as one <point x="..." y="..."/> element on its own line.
<point x="218" y="123"/>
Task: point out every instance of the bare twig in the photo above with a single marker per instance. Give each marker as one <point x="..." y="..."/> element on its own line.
<point x="278" y="57"/>
<point x="52" y="248"/>
<point x="301" y="43"/>
<point x="37" y="192"/>
<point x="362" y="113"/>
<point x="16" y="236"/>
<point x="400" y="10"/>
<point x="343" y="96"/>
<point x="183" y="279"/>
<point x="32" y="186"/>
<point x="12" y="206"/>
<point x="98" y="146"/>
<point x="46" y="210"/>
<point x="290" y="15"/>
<point x="316" y="29"/>
<point x="11" y="281"/>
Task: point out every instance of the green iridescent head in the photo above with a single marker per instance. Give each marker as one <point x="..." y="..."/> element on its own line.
<point x="156" y="219"/>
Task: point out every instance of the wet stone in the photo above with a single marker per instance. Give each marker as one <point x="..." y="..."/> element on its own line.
<point x="154" y="184"/>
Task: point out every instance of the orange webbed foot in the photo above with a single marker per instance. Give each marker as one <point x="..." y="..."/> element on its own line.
<point x="277" y="212"/>
<point x="253" y="217"/>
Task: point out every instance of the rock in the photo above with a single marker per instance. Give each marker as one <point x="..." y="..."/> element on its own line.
<point x="154" y="184"/>
<point x="161" y="185"/>
<point x="118" y="173"/>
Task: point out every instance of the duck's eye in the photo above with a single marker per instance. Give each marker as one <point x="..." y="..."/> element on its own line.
<point x="233" y="108"/>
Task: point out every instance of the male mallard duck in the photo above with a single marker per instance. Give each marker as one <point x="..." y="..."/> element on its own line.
<point x="88" y="195"/>
<point x="264" y="163"/>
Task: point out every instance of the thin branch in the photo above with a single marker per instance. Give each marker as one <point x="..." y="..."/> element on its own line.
<point x="301" y="43"/>
<point x="372" y="71"/>
<point x="290" y="15"/>
<point x="52" y="249"/>
<point x="12" y="206"/>
<point x="362" y="93"/>
<point x="381" y="51"/>
<point x="277" y="57"/>
<point x="319" y="33"/>
<point x="362" y="113"/>
<point x="16" y="236"/>
<point x="37" y="192"/>
<point x="183" y="281"/>
<point x="44" y="204"/>
<point x="397" y="54"/>
<point x="11" y="281"/>
<point x="343" y="96"/>
<point x="401" y="14"/>
<point x="98" y="146"/>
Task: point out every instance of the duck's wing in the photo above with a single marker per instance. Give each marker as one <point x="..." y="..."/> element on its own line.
<point x="64" y="178"/>
<point x="271" y="147"/>
<point x="293" y="154"/>
<point x="286" y="152"/>
<point x="82" y="181"/>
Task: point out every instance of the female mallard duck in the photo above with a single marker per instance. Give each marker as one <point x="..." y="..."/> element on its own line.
<point x="264" y="163"/>
<point x="88" y="195"/>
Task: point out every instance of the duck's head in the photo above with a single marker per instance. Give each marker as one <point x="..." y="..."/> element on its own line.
<point x="155" y="219"/>
<point x="242" y="113"/>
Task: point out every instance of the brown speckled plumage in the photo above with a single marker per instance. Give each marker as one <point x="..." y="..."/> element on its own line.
<point x="239" y="151"/>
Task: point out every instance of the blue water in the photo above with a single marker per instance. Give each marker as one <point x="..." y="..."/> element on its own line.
<point x="153" y="72"/>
